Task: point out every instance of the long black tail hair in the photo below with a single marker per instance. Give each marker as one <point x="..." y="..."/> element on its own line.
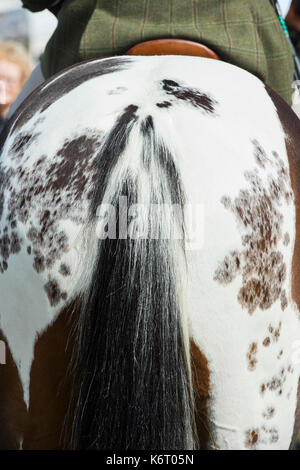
<point x="133" y="380"/>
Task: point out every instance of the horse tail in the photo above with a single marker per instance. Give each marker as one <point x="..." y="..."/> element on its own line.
<point x="133" y="367"/>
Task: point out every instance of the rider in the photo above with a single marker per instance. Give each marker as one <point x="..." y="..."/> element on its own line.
<point x="245" y="33"/>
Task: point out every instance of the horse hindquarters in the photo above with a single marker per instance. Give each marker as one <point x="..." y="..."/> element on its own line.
<point x="235" y="287"/>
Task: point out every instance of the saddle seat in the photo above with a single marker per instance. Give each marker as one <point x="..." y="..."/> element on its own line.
<point x="172" y="47"/>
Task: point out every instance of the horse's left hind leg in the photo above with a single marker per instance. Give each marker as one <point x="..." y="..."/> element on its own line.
<point x="13" y="412"/>
<point x="50" y="385"/>
<point x="297" y="422"/>
<point x="40" y="425"/>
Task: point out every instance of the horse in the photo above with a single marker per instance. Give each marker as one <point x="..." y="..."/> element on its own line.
<point x="150" y="260"/>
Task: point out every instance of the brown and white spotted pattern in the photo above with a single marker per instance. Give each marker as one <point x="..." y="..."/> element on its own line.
<point x="240" y="304"/>
<point x="39" y="195"/>
<point x="257" y="209"/>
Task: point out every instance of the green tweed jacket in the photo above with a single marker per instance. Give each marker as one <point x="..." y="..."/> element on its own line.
<point x="246" y="33"/>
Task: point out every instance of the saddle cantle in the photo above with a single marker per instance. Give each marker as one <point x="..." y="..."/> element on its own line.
<point x="172" y="47"/>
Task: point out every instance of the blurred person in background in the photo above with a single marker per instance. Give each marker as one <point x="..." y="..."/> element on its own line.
<point x="293" y="23"/>
<point x="14" y="71"/>
<point x="293" y="16"/>
<point x="245" y="33"/>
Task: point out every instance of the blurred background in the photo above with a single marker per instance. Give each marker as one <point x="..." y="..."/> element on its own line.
<point x="32" y="30"/>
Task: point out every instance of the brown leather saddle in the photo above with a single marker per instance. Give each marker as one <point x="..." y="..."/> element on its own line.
<point x="172" y="47"/>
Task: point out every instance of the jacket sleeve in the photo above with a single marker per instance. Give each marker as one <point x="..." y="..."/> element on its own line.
<point x="38" y="5"/>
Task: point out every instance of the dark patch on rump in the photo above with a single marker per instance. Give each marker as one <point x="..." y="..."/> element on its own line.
<point x="64" y="270"/>
<point x="251" y="356"/>
<point x="275" y="332"/>
<point x="21" y="143"/>
<point x="276" y="383"/>
<point x="263" y="435"/>
<point x="252" y="438"/>
<point x="260" y="154"/>
<point x="164" y="104"/>
<point x="70" y="169"/>
<point x="39" y="263"/>
<point x="129" y="114"/>
<point x="15" y="243"/>
<point x="53" y="292"/>
<point x="190" y="95"/>
<point x="9" y="244"/>
<point x="269" y="413"/>
<point x="280" y="354"/>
